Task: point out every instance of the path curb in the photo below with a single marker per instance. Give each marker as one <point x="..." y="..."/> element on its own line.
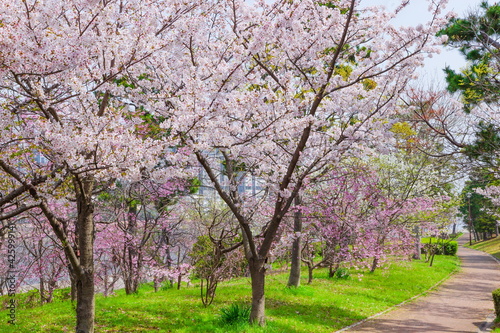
<point x="486" y="326"/>
<point x="474" y="313"/>
<point x="402" y="303"/>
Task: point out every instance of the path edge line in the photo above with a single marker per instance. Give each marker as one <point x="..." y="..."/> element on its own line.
<point x="405" y="301"/>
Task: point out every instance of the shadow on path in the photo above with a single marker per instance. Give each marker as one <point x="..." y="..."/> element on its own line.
<point x="461" y="304"/>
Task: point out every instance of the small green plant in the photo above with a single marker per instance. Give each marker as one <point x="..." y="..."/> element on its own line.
<point x="496" y="301"/>
<point x="235" y="314"/>
<point x="342" y="273"/>
<point x="166" y="285"/>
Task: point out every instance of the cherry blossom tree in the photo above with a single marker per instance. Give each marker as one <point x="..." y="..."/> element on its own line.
<point x="45" y="261"/>
<point x="70" y="109"/>
<point x="270" y="90"/>
<point x="353" y="219"/>
<point x="278" y="91"/>
<point x="133" y="220"/>
<point x="337" y="217"/>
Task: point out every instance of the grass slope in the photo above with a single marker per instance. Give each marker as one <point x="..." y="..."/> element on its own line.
<point x="324" y="306"/>
<point x="491" y="246"/>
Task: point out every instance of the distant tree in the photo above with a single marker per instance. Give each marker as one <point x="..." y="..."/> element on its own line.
<point x="478" y="206"/>
<point x="477" y="37"/>
<point x="132" y="222"/>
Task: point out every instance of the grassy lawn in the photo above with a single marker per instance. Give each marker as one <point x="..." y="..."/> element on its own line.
<point x="491" y="246"/>
<point x="425" y="240"/>
<point x="328" y="304"/>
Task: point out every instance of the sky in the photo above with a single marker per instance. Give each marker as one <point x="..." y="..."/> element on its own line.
<point x="432" y="73"/>
<point x="416" y="13"/>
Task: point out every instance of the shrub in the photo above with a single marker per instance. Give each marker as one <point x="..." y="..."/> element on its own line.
<point x="166" y="285"/>
<point x="450" y="248"/>
<point x="235" y="314"/>
<point x="342" y="273"/>
<point x="496" y="301"/>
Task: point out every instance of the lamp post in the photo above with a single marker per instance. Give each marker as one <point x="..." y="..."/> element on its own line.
<point x="470" y="219"/>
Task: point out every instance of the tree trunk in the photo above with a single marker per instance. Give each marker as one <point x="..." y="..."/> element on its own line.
<point x="157" y="284"/>
<point x="310" y="269"/>
<point x="85" y="298"/>
<point x="128" y="285"/>
<point x="52" y="287"/>
<point x="432" y="258"/>
<point x="179" y="277"/>
<point x="294" y="278"/>
<point x="417" y="242"/>
<point x="131" y="257"/>
<point x="258" y="275"/>
<point x="42" y="291"/>
<point x="73" y="287"/>
<point x="106" y="282"/>
<point x="374" y="264"/>
<point x="85" y="304"/>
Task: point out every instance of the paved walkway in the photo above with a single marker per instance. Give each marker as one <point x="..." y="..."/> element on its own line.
<point x="461" y="304"/>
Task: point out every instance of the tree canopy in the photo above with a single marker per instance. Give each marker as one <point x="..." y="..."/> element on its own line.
<point x="476" y="35"/>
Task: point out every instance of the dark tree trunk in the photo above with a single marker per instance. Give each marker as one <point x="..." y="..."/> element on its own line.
<point x="85" y="298"/>
<point x="52" y="287"/>
<point x="85" y="304"/>
<point x="132" y="258"/>
<point x="179" y="277"/>
<point x="106" y="282"/>
<point x="432" y="258"/>
<point x="374" y="264"/>
<point x="258" y="275"/>
<point x="42" y="291"/>
<point x="294" y="278"/>
<point x="169" y="262"/>
<point x="157" y="284"/>
<point x="73" y="286"/>
<point x="417" y="243"/>
<point x="333" y="270"/>
<point x="310" y="269"/>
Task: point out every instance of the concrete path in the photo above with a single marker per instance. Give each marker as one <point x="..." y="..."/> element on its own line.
<point x="461" y="304"/>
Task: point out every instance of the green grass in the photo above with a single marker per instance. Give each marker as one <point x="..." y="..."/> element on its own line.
<point x="491" y="246"/>
<point x="425" y="240"/>
<point x="328" y="304"/>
